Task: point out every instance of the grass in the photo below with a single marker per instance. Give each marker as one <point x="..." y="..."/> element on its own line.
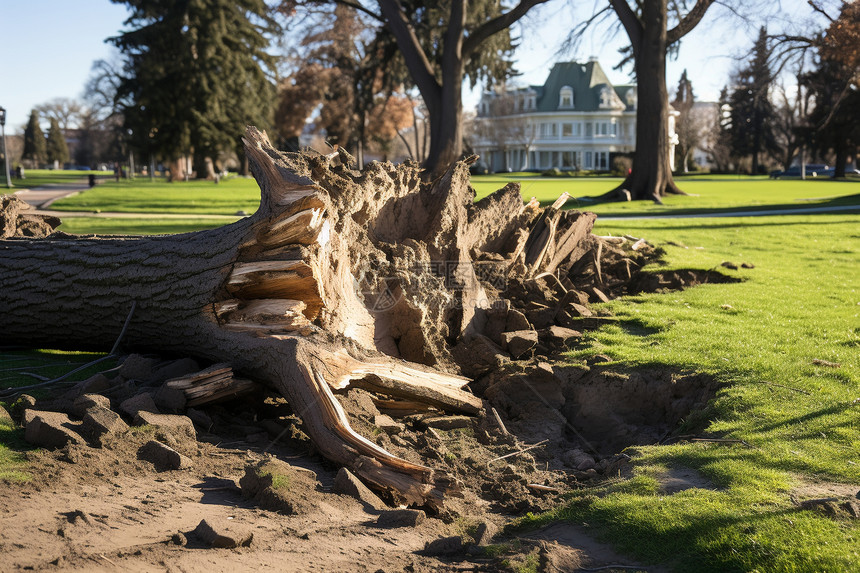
<point x="137" y="226"/>
<point x="39" y="177"/>
<point x="14" y="368"/>
<point x="708" y="194"/>
<point x="280" y="482"/>
<point x="192" y="197"/>
<point x="800" y="303"/>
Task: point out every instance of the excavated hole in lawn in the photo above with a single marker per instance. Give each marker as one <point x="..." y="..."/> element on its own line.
<point x="680" y="279"/>
<point x="613" y="411"/>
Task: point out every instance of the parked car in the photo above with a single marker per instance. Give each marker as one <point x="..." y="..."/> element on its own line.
<point x="812" y="170"/>
<point x="831" y="171"/>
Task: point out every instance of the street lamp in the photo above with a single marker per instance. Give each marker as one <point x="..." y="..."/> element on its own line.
<point x="5" y="155"/>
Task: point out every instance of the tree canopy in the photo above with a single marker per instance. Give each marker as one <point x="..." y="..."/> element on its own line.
<point x="194" y="75"/>
<point x="438" y="45"/>
<point x="751" y="109"/>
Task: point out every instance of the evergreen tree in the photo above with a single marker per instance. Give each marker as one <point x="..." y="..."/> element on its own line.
<point x="195" y="75"/>
<point x="752" y="111"/>
<point x="34" y="141"/>
<point x="57" y="150"/>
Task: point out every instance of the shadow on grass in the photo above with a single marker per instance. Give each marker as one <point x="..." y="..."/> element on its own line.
<point x="847" y="204"/>
<point x="637" y="327"/>
<point x="754" y="222"/>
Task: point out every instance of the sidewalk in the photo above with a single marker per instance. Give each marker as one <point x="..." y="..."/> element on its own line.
<point x="42" y="197"/>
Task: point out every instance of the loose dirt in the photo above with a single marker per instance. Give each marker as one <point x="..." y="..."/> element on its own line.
<point x="105" y="509"/>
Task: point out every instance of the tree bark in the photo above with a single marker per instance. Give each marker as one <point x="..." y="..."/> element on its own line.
<point x="651" y="176"/>
<point x="336" y="279"/>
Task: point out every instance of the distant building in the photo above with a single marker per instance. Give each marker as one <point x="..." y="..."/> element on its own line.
<point x="576" y="120"/>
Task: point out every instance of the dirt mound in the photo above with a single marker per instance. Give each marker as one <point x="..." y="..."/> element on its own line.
<point x="280" y="487"/>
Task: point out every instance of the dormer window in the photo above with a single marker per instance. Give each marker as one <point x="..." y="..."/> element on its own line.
<point x="565" y="97"/>
<point x="605" y="97"/>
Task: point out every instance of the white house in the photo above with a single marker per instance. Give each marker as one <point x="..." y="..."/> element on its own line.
<point x="576" y="120"/>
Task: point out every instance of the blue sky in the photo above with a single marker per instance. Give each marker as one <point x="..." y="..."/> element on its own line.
<point x="48" y="46"/>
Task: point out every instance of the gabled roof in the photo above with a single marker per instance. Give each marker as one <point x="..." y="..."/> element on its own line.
<point x="587" y="80"/>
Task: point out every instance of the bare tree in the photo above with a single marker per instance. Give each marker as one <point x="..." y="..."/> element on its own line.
<point x="68" y="112"/>
<point x="506" y="126"/>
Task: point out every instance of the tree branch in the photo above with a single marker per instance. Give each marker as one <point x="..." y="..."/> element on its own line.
<point x="416" y="60"/>
<point x="454" y="33"/>
<point x="816" y="8"/>
<point x="630" y="21"/>
<point x="497" y="24"/>
<point x="693" y="17"/>
<point x="357" y="6"/>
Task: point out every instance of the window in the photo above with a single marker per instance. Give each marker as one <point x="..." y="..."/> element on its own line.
<point x="567" y="130"/>
<point x="613" y="129"/>
<point x="565" y="97"/>
<point x="601" y="160"/>
<point x="604" y="128"/>
<point x="544" y="159"/>
<point x="606" y="99"/>
<point x="544" y="129"/>
<point x="555" y="160"/>
<point x="531" y="101"/>
<point x="588" y="128"/>
<point x="589" y="160"/>
<point x="568" y="159"/>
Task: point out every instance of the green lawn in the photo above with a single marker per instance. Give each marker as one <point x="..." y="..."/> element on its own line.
<point x="141" y="226"/>
<point x="140" y="196"/>
<point x="707" y="193"/>
<point x="24" y="367"/>
<point x="718" y="193"/>
<point x="800" y="303"/>
<point x="760" y="337"/>
<point x="39" y="177"/>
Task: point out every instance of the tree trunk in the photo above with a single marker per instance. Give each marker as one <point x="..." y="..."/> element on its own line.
<point x="336" y="279"/>
<point x="841" y="149"/>
<point x="651" y="176"/>
<point x="177" y="170"/>
<point x="446" y="129"/>
<point x="204" y="167"/>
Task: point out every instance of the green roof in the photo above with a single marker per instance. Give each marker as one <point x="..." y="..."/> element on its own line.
<point x="587" y="80"/>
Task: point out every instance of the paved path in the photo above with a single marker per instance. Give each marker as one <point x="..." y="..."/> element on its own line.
<point x="42" y="197"/>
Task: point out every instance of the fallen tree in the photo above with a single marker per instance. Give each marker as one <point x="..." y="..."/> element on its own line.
<point x="341" y="278"/>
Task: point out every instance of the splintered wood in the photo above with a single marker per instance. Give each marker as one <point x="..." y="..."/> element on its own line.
<point x="211" y="385"/>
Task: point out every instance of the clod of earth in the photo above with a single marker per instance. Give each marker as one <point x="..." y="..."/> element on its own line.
<point x="342" y="279"/>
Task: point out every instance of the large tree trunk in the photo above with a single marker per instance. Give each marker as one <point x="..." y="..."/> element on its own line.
<point x="336" y="279"/>
<point x="446" y="124"/>
<point x="651" y="176"/>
